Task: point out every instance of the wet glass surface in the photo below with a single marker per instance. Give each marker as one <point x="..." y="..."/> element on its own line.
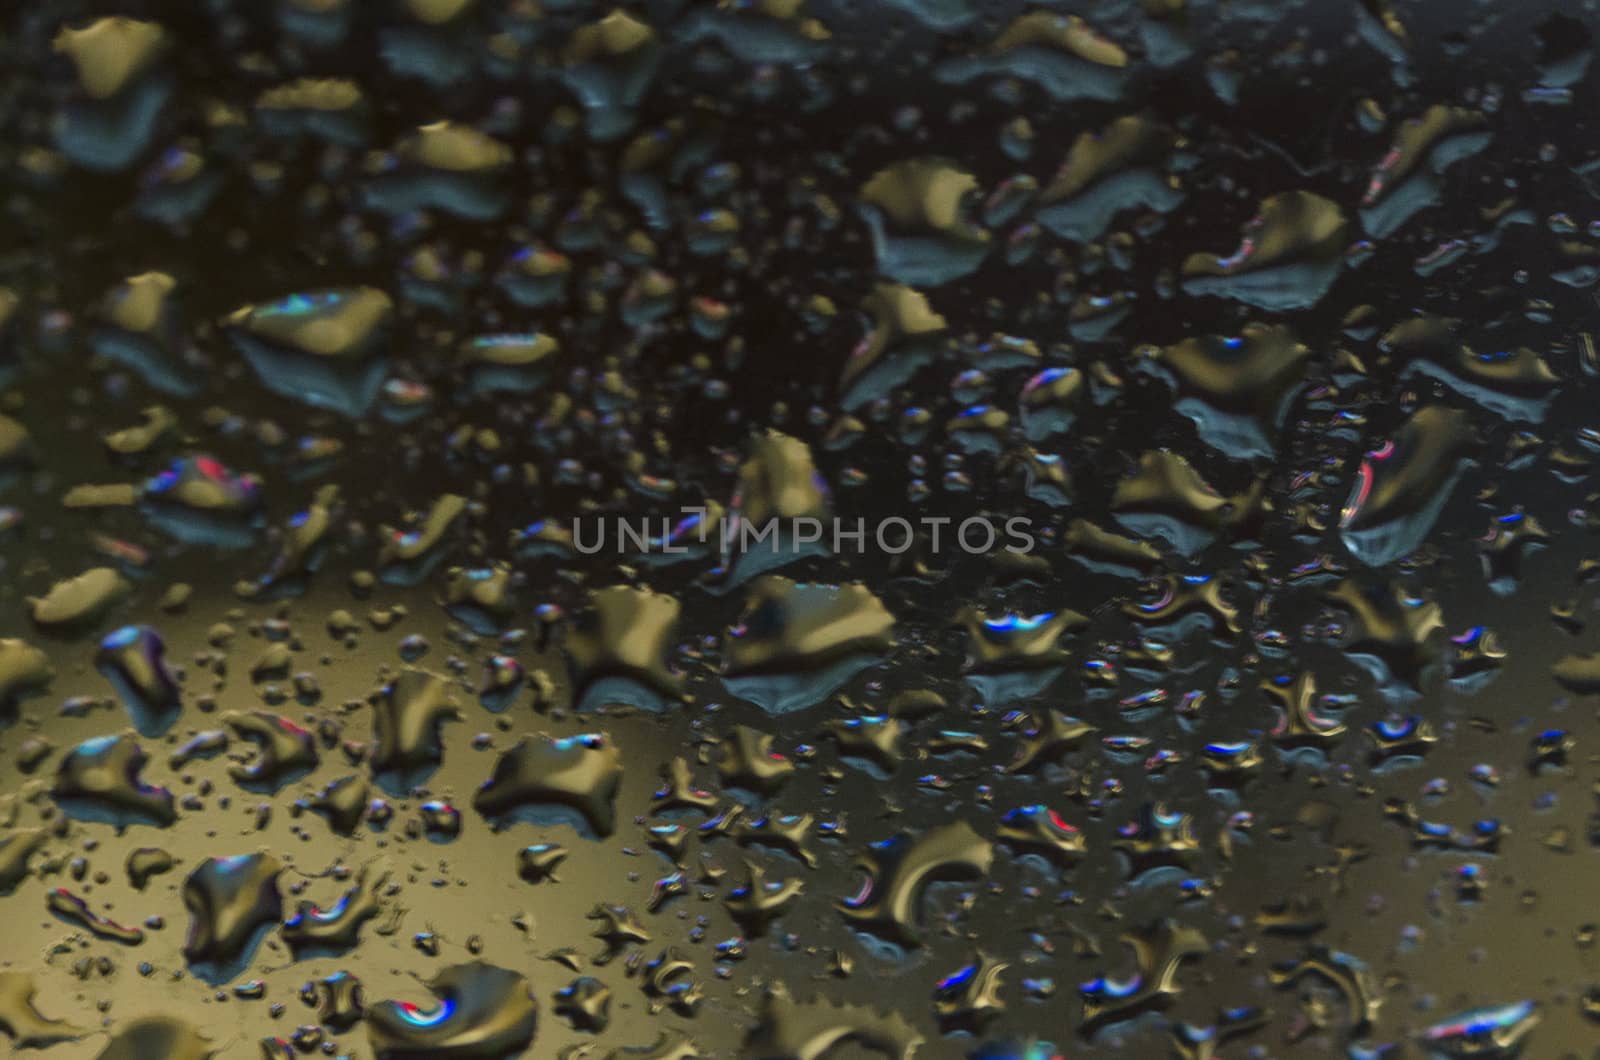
<point x="798" y="529"/>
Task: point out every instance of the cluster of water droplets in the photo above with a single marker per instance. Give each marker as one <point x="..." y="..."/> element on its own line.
<point x="388" y="394"/>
